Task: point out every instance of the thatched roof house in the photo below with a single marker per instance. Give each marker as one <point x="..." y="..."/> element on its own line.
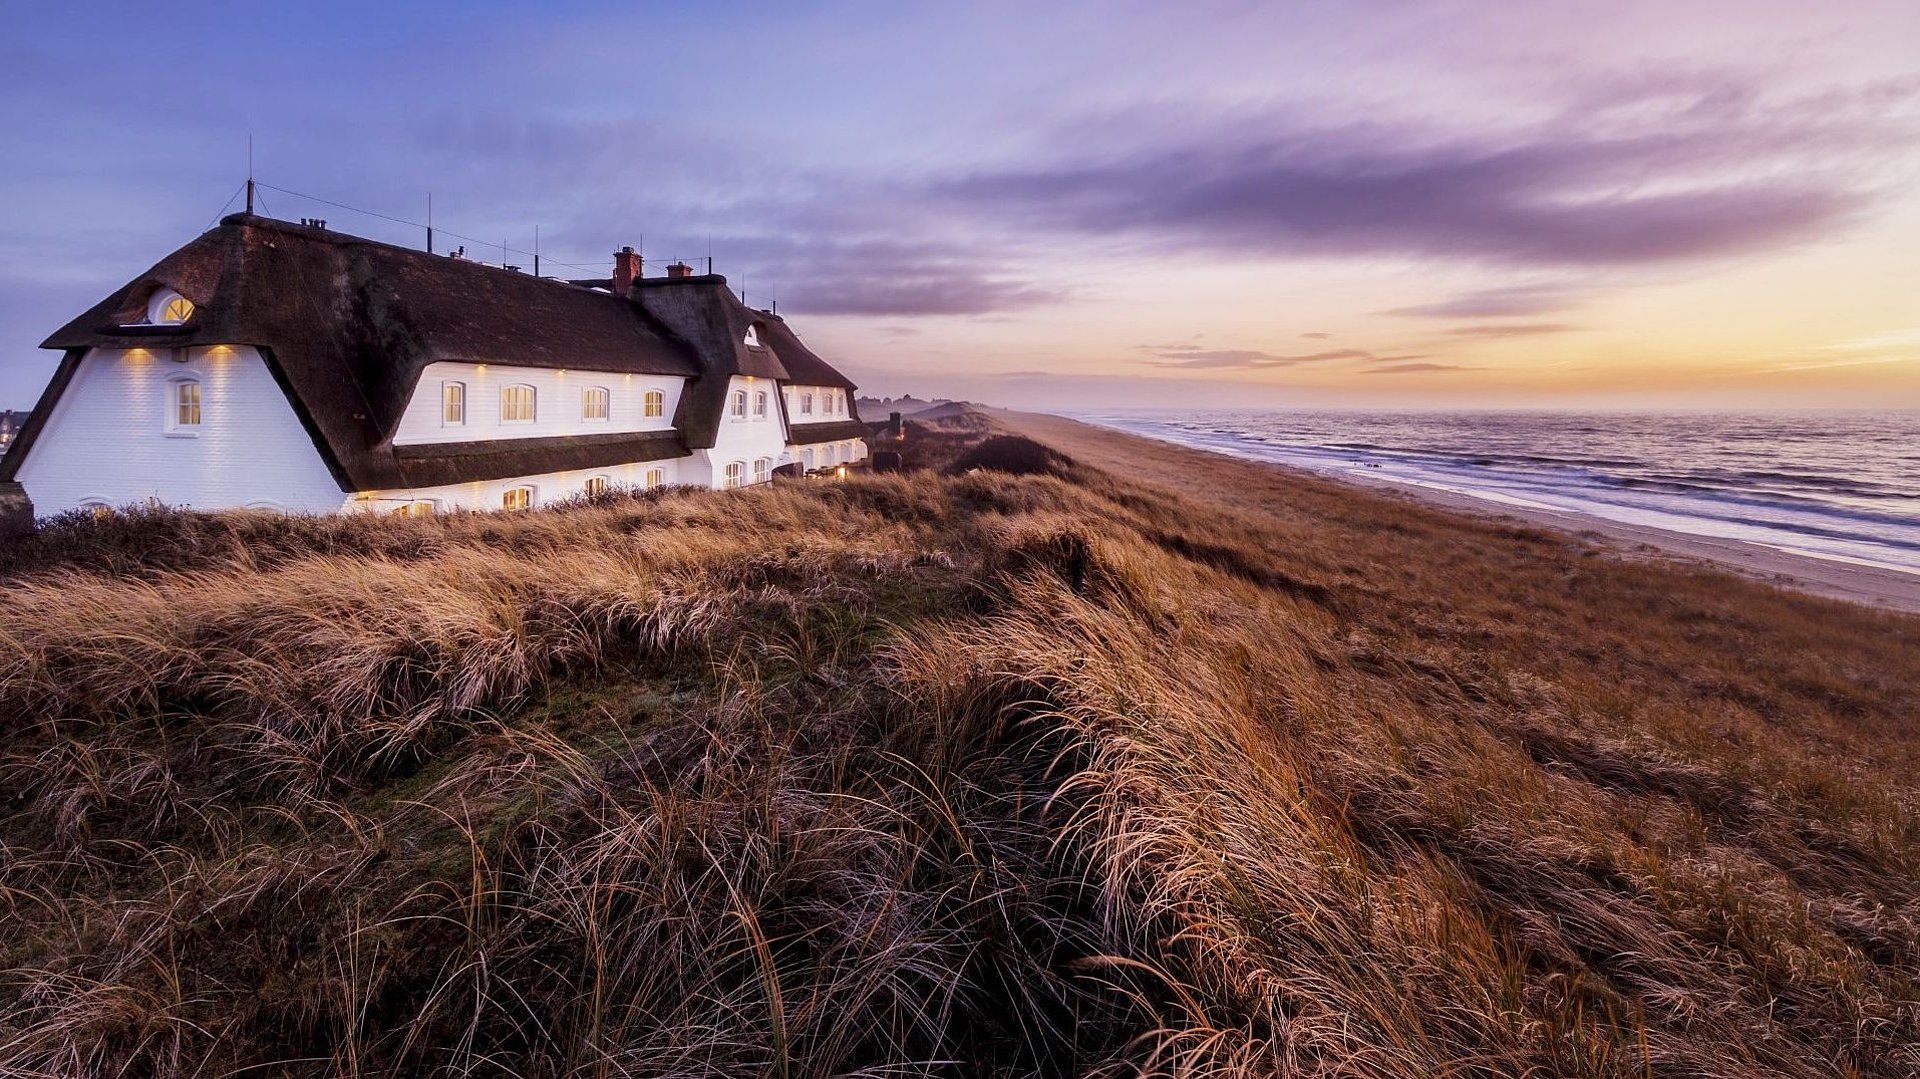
<point x="293" y="367"/>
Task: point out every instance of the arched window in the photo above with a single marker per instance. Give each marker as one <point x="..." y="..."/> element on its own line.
<point x="832" y="454"/>
<point x="517" y="498"/>
<point x="183" y="406"/>
<point x="808" y="459"/>
<point x="736" y="474"/>
<point x="760" y="405"/>
<point x="762" y="469"/>
<point x="594" y="401"/>
<point x="453" y="404"/>
<point x="517" y="404"/>
<point x="656" y="477"/>
<point x="806" y="404"/>
<point x="596" y="486"/>
<point x="740" y="404"/>
<point x="753" y="336"/>
<point x="656" y="403"/>
<point x="169" y="308"/>
<point x="100" y="508"/>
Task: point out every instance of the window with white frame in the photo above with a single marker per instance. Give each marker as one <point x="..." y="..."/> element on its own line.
<point x="735" y="475"/>
<point x="760" y="405"/>
<point x="808" y="458"/>
<point x="597" y="486"/>
<point x="762" y="469"/>
<point x="517" y="498"/>
<point x="517" y="404"/>
<point x="453" y="404"/>
<point x="832" y="454"/>
<point x="594" y="403"/>
<point x="656" y="404"/>
<point x="169" y="308"/>
<point x="806" y="404"/>
<point x="419" y="507"/>
<point x="656" y="477"/>
<point x="183" y="406"/>
<point x="740" y="404"/>
<point x="753" y="336"/>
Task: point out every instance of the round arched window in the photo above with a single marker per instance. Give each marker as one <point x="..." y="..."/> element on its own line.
<point x="169" y="308"/>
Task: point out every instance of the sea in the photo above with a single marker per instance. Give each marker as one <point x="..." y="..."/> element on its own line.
<point x="1836" y="485"/>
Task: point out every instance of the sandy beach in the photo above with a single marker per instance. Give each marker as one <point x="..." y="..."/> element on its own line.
<point x="1176" y="465"/>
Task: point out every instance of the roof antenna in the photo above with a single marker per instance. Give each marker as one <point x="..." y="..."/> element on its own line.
<point x="249" y="176"/>
<point x="536" y="251"/>
<point x="776" y="301"/>
<point x="429" y="222"/>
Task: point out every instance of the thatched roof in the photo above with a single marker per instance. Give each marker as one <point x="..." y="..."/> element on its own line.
<point x="347" y="325"/>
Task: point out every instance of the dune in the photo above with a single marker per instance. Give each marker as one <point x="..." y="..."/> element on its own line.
<point x="1060" y="753"/>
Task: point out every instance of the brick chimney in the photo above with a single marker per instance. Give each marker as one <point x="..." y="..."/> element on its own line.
<point x="626" y="270"/>
<point x="679" y="269"/>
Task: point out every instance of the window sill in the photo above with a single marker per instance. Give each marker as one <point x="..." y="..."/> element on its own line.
<point x="182" y="434"/>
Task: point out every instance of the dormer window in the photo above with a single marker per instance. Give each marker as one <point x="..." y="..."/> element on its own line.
<point x="656" y="404"/>
<point x="806" y="404"/>
<point x="760" y="405"/>
<point x="740" y="404"/>
<point x="753" y="335"/>
<point x="169" y="308"/>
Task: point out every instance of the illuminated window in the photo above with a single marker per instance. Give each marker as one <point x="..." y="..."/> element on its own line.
<point x="656" y="477"/>
<point x="169" y="308"/>
<point x="516" y="404"/>
<point x="736" y="474"/>
<point x="760" y="406"/>
<point x="453" y="403"/>
<point x="593" y="403"/>
<point x="656" y="403"/>
<point x="517" y="498"/>
<point x="98" y="507"/>
<point x="753" y="336"/>
<point x="596" y="486"/>
<point x="762" y="469"/>
<point x="183" y="412"/>
<point x="806" y="404"/>
<point x="740" y="403"/>
<point x="419" y="507"/>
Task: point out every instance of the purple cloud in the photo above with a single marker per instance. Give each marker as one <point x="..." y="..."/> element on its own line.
<point x="1495" y="303"/>
<point x="1533" y="329"/>
<point x="1723" y="178"/>
<point x="1416" y="368"/>
<point x="1192" y="357"/>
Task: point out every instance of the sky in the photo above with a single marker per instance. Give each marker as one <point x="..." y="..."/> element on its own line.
<point x="1378" y="203"/>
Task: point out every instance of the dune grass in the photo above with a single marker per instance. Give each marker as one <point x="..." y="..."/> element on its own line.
<point x="1053" y="773"/>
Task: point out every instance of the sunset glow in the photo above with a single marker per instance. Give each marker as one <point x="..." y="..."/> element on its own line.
<point x="1380" y="204"/>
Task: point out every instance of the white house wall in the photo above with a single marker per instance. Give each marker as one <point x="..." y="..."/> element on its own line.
<point x="558" y="401"/>
<point x="107" y="440"/>
<point x="745" y="440"/>
<point x="548" y="488"/>
<point x="829" y="403"/>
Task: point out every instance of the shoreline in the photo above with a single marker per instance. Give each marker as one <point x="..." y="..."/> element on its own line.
<point x="1867" y="585"/>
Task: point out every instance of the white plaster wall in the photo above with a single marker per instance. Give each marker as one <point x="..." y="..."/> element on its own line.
<point x="745" y="439"/>
<point x="825" y="398"/>
<point x="826" y="454"/>
<point x="557" y="398"/>
<point x="106" y="440"/>
<point x="548" y="489"/>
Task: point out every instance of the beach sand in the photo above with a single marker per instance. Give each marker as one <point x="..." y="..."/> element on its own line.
<point x="1181" y="466"/>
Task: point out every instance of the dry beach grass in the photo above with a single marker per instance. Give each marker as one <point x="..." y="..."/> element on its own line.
<point x="1062" y="773"/>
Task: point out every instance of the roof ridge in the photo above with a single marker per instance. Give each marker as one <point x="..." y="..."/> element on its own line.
<point x="334" y="236"/>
